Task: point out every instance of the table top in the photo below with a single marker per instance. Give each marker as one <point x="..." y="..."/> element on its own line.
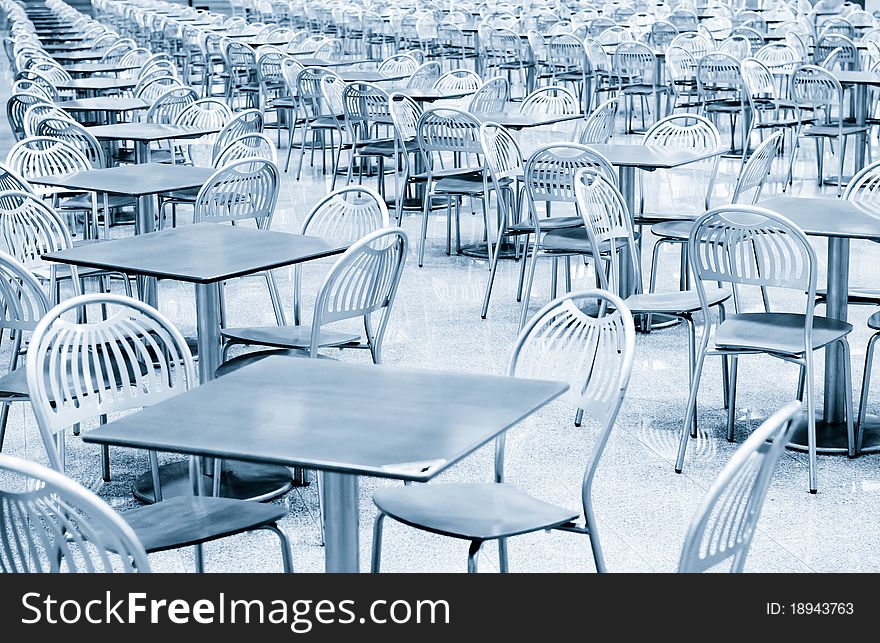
<point x="77" y="56"/>
<point x="148" y="132"/>
<point x="97" y="84"/>
<point x="100" y="68"/>
<point x="382" y="421"/>
<point x="203" y="253"/>
<point x="307" y="60"/>
<point x="857" y="77"/>
<point x="824" y="217"/>
<point x="131" y="180"/>
<point x="104" y="104"/>
<point x="517" y="120"/>
<point x="651" y="158"/>
<point x="68" y="47"/>
<point x="364" y="76"/>
<point x="428" y="94"/>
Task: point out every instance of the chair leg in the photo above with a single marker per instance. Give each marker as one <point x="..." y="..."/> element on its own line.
<point x="811" y="422"/>
<point x="473" y="550"/>
<point x="524" y="258"/>
<point x="275" y="296"/>
<point x="863" y="400"/>
<point x="376" y="561"/>
<point x="848" y="401"/>
<point x="731" y="398"/>
<point x="692" y="356"/>
<point x="528" y="290"/>
<point x="286" y="561"/>
<point x="692" y="404"/>
<point x="422" y="239"/>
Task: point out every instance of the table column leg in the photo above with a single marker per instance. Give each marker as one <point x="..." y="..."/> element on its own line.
<point x="861" y="120"/>
<point x="144" y="224"/>
<point x="627" y="177"/>
<point x="208" y="321"/>
<point x="838" y="289"/>
<point x="341" y="522"/>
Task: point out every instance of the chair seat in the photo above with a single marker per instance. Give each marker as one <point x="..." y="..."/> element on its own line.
<point x="240" y="361"/>
<point x="781" y="333"/>
<point x="84" y="202"/>
<point x="471" y="511"/>
<point x="833" y="130"/>
<point x="190" y="520"/>
<point x="186" y="196"/>
<point x="673" y="229"/>
<point x="574" y="240"/>
<point x="674" y="302"/>
<point x="286" y="336"/>
<point x="651" y="218"/>
<point x="467" y="184"/>
<point x="548" y="223"/>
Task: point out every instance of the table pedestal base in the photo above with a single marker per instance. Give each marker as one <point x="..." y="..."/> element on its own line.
<point x="831" y="438"/>
<point x="478" y="251"/>
<point x="241" y="480"/>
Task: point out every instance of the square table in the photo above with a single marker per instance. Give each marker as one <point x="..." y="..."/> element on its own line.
<point x="67" y="47"/>
<point x="306" y="59"/>
<point x="839" y="220"/>
<point x="110" y="105"/>
<point x="861" y="80"/>
<point x="428" y="94"/>
<point x="96" y="84"/>
<point x="77" y="56"/>
<point x="345" y="420"/>
<point x="205" y="254"/>
<point x="516" y="120"/>
<point x="366" y="76"/>
<point x="141" y="181"/>
<point x="100" y="68"/>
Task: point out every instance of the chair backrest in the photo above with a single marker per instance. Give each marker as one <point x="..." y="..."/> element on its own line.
<point x="442" y="130"/>
<point x="247" y="146"/>
<point x="168" y="106"/>
<point x="587" y="340"/>
<point x="50" y="523"/>
<point x="504" y="159"/>
<point x="864" y="187"/>
<point x="425" y="76"/>
<point x="30" y="228"/>
<point x="459" y="80"/>
<point x="491" y="97"/>
<point x="45" y="156"/>
<point x="848" y="56"/>
<point x="290" y="69"/>
<point x="598" y="127"/>
<point x="150" y="88"/>
<point x="362" y="282"/>
<point x="551" y="100"/>
<point x="35" y="114"/>
<point x="68" y="130"/>
<point x="398" y="65"/>
<point x="736" y="45"/>
<point x="609" y="226"/>
<point x="550" y="172"/>
<point x="11" y="180"/>
<point x="204" y="112"/>
<point x="77" y="372"/>
<point x="365" y="106"/>
<point x="16" y="107"/>
<point x="694" y="43"/>
<point x="23" y="302"/>
<point x="752" y="246"/>
<point x="635" y="60"/>
<point x="756" y="170"/>
<point x="725" y="522"/>
<point x="249" y="121"/>
<point x="347" y="214"/>
<point x="817" y="87"/>
<point x="779" y="57"/>
<point x="242" y="190"/>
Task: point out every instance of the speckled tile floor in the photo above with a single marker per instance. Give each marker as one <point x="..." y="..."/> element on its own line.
<point x="642" y="506"/>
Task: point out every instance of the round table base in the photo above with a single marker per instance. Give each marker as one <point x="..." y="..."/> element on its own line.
<point x="479" y="251"/>
<point x="241" y="480"/>
<point x="831" y="438"/>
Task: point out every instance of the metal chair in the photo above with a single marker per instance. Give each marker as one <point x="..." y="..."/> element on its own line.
<point x="361" y="283"/>
<point x="549" y="180"/>
<point x="568" y="63"/>
<point x="50" y="523"/>
<point x="241" y="191"/>
<point x="243" y="78"/>
<point x="23" y="303"/>
<point x="750" y="246"/>
<point x="752" y="176"/>
<point x="440" y="132"/>
<point x="591" y="352"/>
<point x="634" y="74"/>
<point x="368" y="122"/>
<point x="318" y="117"/>
<point x="726" y="521"/>
<point x="133" y="359"/>
<point x="817" y="90"/>
<point x="405" y="114"/>
<point x="425" y="75"/>
<point x="598" y="127"/>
